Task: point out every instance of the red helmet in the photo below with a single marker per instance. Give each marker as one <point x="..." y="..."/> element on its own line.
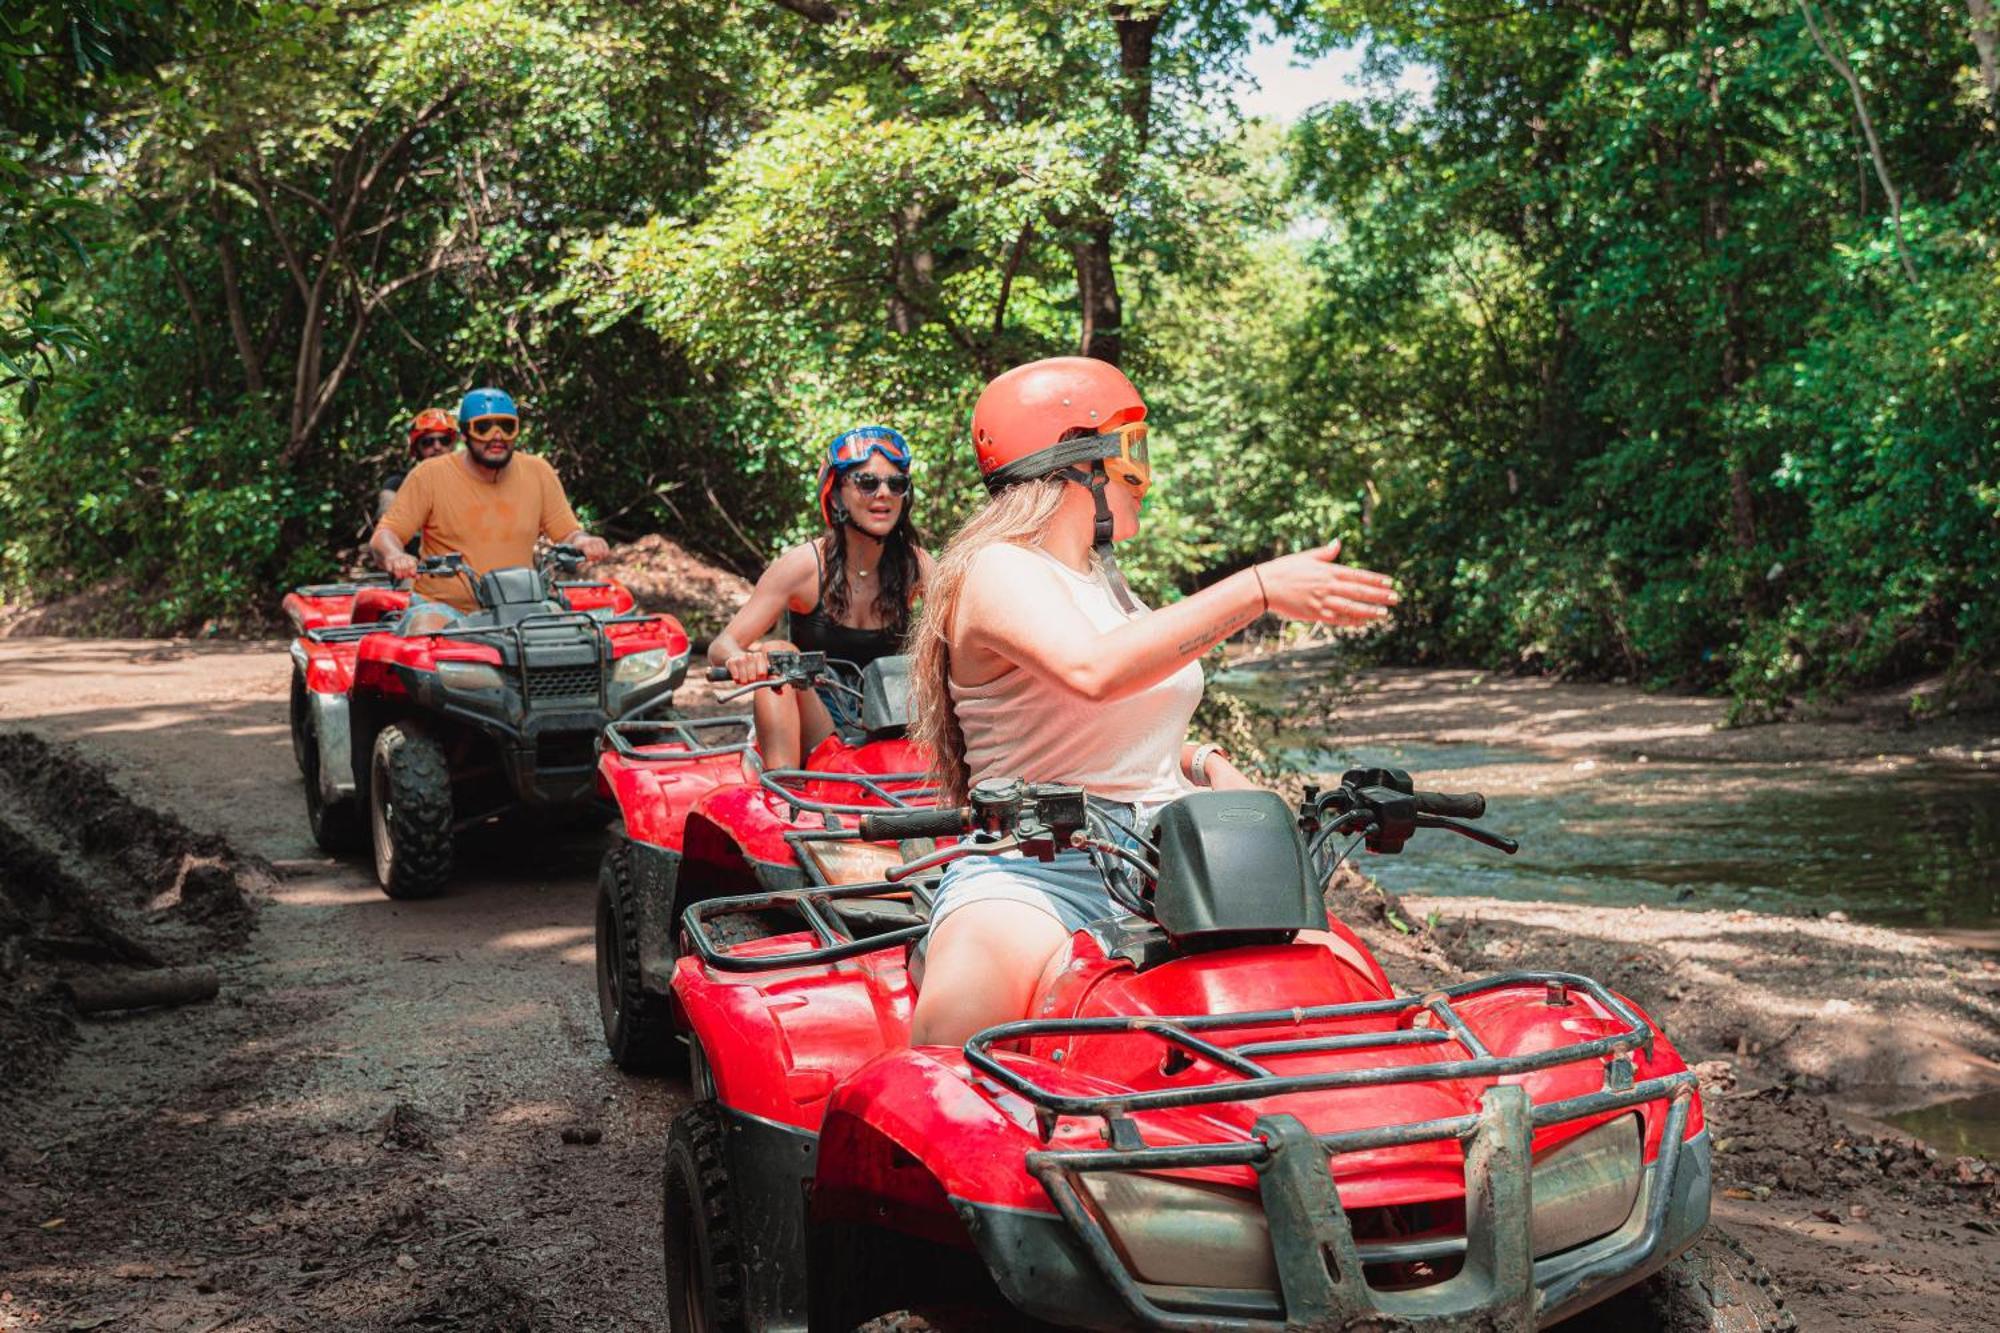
<point x="1022" y="415"/>
<point x="432" y="421"/>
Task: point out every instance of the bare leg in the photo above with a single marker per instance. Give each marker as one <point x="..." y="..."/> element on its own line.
<point x="815" y="723"/>
<point x="777" y="716"/>
<point x="982" y="967"/>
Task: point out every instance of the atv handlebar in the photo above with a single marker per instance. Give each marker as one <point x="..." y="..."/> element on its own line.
<point x="942" y="822"/>
<point x="800" y="670"/>
<point x="1468" y="805"/>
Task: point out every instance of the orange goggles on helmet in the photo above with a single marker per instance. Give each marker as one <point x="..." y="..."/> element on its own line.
<point x="484" y="429"/>
<point x="1130" y="463"/>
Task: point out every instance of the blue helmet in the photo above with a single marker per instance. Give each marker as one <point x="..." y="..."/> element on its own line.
<point x="485" y="403"/>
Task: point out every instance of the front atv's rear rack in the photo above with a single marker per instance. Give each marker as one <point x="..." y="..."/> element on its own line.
<point x="783" y="783"/>
<point x="817" y="907"/>
<point x="1320" y="1264"/>
<point x="350" y="633"/>
<point x="626" y="738"/>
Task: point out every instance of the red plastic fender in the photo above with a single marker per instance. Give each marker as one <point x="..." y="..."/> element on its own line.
<point x="1520" y="1020"/>
<point x="329" y="666"/>
<point x="655" y="794"/>
<point x="908" y="1130"/>
<point x="609" y="594"/>
<point x="639" y="636"/>
<point x="778" y="1043"/>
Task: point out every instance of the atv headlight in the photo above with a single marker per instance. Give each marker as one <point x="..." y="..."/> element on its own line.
<point x="468" y="676"/>
<point x="853" y="862"/>
<point x="639" y="668"/>
<point x="1183" y="1233"/>
<point x="1585" y="1188"/>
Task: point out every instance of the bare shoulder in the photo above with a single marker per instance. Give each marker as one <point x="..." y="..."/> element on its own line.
<point x="1001" y="571"/>
<point x="792" y="571"/>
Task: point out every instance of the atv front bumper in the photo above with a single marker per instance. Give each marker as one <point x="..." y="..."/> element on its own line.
<point x="1066" y="1269"/>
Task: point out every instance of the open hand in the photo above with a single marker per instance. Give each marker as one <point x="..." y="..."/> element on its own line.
<point x="1310" y="586"/>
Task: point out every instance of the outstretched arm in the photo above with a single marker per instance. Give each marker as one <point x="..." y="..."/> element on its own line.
<point x="1013" y="612"/>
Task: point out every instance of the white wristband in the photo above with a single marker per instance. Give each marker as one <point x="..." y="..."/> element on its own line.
<point x="1198" y="765"/>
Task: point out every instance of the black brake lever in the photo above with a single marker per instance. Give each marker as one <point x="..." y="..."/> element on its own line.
<point x="1472" y="831"/>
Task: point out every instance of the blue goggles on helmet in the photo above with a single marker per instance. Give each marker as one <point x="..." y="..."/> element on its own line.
<point x="851" y="448"/>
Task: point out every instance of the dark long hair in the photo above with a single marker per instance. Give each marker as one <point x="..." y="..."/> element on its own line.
<point x="896" y="574"/>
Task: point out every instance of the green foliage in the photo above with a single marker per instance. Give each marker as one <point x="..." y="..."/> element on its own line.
<point x="1604" y="345"/>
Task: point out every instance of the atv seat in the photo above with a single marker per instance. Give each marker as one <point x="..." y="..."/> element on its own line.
<point x="372" y="606"/>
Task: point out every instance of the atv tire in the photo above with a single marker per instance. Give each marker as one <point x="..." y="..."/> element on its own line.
<point x="704" y="1280"/>
<point x="409" y="813"/>
<point x="301" y="710"/>
<point x="638" y="1023"/>
<point x="336" y="825"/>
<point x="1715" y="1287"/>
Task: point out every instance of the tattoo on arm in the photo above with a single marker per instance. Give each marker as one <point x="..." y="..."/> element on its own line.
<point x="1214" y="634"/>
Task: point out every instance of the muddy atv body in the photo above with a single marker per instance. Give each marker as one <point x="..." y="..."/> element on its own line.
<point x="1220" y="1115"/>
<point x="700" y="818"/>
<point x="406" y="740"/>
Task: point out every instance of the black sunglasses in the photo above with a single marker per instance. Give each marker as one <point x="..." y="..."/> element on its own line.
<point x="897" y="483"/>
<point x="434" y="441"/>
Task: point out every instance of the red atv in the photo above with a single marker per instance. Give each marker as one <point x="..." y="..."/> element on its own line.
<point x="702" y="819"/>
<point x="405" y="740"/>
<point x="1220" y="1115"/>
<point x="374" y="598"/>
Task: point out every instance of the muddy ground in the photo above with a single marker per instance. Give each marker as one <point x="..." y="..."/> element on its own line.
<point x="398" y="1116"/>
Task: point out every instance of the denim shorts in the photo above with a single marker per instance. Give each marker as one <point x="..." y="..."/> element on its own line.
<point x="1069" y="888"/>
<point x="440" y="614"/>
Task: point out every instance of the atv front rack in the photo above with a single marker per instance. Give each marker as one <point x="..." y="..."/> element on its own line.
<point x="1254" y="1082"/>
<point x="1321" y="1266"/>
<point x="823" y="917"/>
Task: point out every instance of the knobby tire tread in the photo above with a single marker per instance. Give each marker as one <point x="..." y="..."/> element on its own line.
<point x="697" y="1188"/>
<point x="641" y="1035"/>
<point x="420" y="823"/>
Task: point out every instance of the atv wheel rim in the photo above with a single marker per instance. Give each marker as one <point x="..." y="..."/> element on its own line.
<point x="381" y="811"/>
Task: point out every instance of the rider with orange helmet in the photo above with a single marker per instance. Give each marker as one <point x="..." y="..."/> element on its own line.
<point x="432" y="433"/>
<point x="1033" y="661"/>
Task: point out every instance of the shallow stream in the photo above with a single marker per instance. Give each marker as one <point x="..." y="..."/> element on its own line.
<point x="1892" y="840"/>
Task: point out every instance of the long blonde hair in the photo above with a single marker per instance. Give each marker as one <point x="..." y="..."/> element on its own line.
<point x="1021" y="514"/>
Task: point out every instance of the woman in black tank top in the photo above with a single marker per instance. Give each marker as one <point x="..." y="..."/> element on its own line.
<point x="847" y="593"/>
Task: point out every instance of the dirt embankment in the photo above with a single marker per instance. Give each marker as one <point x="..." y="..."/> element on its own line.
<point x="95" y="887"/>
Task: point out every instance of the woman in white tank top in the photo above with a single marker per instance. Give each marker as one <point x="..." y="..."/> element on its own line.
<point x="1033" y="661"/>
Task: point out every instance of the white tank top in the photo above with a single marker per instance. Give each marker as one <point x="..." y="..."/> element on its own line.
<point x="1019" y="725"/>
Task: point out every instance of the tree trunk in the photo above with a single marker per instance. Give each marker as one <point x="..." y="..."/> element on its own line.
<point x="1097" y="291"/>
<point x="915" y="269"/>
<point x="239" y="322"/>
<point x="1986" y="41"/>
<point x="1716" y="223"/>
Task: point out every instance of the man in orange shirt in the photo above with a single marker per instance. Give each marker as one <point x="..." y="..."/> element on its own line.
<point x="485" y="503"/>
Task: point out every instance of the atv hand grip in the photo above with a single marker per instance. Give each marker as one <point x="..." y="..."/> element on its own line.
<point x="1469" y="805"/>
<point x="719" y="674"/>
<point x="943" y="822"/>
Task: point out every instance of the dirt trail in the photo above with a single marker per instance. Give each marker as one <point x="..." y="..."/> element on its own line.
<point x="367" y="1130"/>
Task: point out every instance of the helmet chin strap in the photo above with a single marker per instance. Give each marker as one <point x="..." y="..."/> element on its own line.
<point x="1095" y="481"/>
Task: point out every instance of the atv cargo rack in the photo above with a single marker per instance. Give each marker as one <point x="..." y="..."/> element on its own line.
<point x="627" y="738"/>
<point x="826" y="910"/>
<point x="1321" y="1266"/>
<point x="783" y="783"/>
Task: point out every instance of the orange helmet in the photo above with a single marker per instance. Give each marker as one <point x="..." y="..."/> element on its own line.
<point x="432" y="421"/>
<point x="1022" y="415"/>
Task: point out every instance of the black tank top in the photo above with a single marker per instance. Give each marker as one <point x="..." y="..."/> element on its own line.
<point x="815" y="631"/>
